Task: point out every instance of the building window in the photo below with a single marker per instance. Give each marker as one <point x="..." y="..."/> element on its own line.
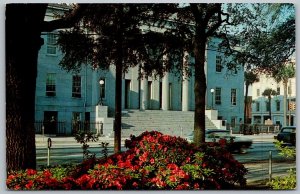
<point x="267" y="106"/>
<point x="233" y="96"/>
<point x="257" y="106"/>
<point x="257" y="92"/>
<point x="50" y="84"/>
<point x="76" y="86"/>
<point x="289" y="90"/>
<point x="277" y="105"/>
<point x="218" y="96"/>
<point x="278" y="90"/>
<point x="233" y="121"/>
<point x="218" y="64"/>
<point x="51" y="44"/>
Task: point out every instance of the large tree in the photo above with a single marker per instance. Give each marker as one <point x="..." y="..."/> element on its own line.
<point x="114" y="38"/>
<point x="268" y="38"/>
<point x="283" y="75"/>
<point x="120" y="41"/>
<point x="269" y="93"/>
<point x="24" y="24"/>
<point x="250" y="78"/>
<point x="23" y="41"/>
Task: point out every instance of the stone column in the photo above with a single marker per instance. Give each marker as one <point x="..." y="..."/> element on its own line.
<point x="144" y="94"/>
<point x="185" y="83"/>
<point x="165" y="88"/>
<point x="95" y="88"/>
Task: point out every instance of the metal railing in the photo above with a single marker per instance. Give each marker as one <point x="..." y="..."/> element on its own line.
<point x="64" y="128"/>
<point x="250" y="129"/>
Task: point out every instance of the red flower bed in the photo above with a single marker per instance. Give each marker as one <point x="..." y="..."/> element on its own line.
<point x="153" y="161"/>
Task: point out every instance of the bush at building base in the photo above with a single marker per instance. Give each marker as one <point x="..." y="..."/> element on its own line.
<point x="153" y="162"/>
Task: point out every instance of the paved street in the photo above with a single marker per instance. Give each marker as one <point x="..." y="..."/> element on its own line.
<point x="256" y="160"/>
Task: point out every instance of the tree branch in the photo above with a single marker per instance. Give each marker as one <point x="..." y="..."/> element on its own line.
<point x="67" y="21"/>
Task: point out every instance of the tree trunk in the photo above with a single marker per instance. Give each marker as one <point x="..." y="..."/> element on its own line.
<point x="285" y="102"/>
<point x="270" y="111"/>
<point x="200" y="90"/>
<point x="23" y="42"/>
<point x="246" y="105"/>
<point x="118" y="97"/>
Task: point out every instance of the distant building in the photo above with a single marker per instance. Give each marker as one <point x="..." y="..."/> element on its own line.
<point x="68" y="97"/>
<point x="260" y="107"/>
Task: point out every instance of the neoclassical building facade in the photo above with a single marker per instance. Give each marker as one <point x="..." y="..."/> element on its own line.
<point x="67" y="97"/>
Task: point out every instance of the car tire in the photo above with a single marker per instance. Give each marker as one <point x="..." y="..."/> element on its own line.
<point x="243" y="149"/>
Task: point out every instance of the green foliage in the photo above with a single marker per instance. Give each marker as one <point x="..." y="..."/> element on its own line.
<point x="285" y="182"/>
<point x="284" y="73"/>
<point x="288" y="152"/>
<point x="83" y="137"/>
<point x="269" y="92"/>
<point x="266" y="45"/>
<point x="104" y="151"/>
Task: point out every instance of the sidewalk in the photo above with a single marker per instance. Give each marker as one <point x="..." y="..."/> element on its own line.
<point x="69" y="141"/>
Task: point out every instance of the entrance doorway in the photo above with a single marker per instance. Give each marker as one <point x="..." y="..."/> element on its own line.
<point x="160" y="95"/>
<point x="170" y="96"/>
<point x="127" y="93"/>
<point x="50" y="122"/>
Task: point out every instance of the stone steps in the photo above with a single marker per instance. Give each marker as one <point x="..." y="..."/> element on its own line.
<point x="176" y="123"/>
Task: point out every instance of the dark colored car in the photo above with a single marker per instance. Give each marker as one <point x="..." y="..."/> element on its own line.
<point x="287" y="135"/>
<point x="235" y="143"/>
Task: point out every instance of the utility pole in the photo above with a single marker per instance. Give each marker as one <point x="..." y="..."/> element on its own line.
<point x="290" y="93"/>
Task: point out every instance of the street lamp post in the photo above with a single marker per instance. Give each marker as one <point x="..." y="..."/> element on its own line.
<point x="212" y="98"/>
<point x="101" y="82"/>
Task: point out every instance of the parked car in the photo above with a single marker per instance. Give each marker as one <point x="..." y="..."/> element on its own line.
<point x="238" y="144"/>
<point x="287" y="135"/>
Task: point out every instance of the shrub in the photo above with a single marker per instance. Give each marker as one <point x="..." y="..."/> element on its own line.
<point x="290" y="181"/>
<point x="153" y="161"/>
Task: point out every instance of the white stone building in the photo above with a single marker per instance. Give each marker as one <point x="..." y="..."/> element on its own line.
<point x="260" y="107"/>
<point x="67" y="97"/>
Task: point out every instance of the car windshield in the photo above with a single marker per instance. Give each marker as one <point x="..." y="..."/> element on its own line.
<point x="288" y="130"/>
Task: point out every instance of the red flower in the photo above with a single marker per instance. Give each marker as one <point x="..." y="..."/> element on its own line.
<point x="30" y="172"/>
<point x="134" y="184"/>
<point x="117" y="184"/>
<point x="173" y="178"/>
<point x="196" y="186"/>
<point x="222" y="142"/>
<point x="29" y="184"/>
<point x="152" y="160"/>
<point x="47" y="173"/>
<point x="17" y="187"/>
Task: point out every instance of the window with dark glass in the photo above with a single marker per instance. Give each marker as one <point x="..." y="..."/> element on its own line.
<point x="277" y="105"/>
<point x="218" y="64"/>
<point x="50" y="85"/>
<point x="76" y="86"/>
<point x="233" y="96"/>
<point x="51" y="44"/>
<point x="257" y="106"/>
<point x="218" y="96"/>
<point x="267" y="106"/>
